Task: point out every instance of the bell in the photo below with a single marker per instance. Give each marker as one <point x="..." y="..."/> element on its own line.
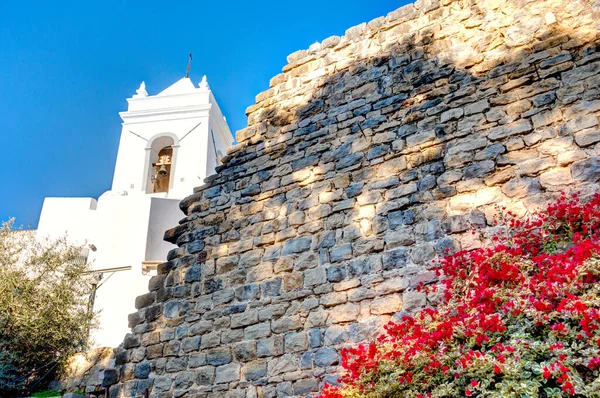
<point x="163" y="170"/>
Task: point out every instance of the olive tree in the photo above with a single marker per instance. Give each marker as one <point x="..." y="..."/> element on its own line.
<point x="44" y="307"/>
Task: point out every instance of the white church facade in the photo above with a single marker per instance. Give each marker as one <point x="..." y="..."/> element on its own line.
<point x="169" y="143"/>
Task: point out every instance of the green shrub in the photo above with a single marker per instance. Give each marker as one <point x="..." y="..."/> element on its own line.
<point x="46" y="394"/>
<point x="44" y="308"/>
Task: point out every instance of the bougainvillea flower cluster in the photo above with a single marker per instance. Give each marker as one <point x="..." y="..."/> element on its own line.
<point x="519" y="318"/>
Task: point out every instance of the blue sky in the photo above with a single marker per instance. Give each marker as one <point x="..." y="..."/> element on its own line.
<point x="66" y="68"/>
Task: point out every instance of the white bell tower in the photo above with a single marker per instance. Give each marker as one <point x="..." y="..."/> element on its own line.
<point x="170" y="141"/>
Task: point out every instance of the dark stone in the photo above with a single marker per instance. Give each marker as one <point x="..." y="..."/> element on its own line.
<point x="142" y="370"/>
<point x="557" y="59"/>
<point x="172" y="309"/>
<point x="235" y="309"/>
<point x="409" y="217"/>
<point x="373" y="122"/>
<point x="171" y="235"/>
<point x="544" y="99"/>
<point x="195" y="246"/>
<point x="176" y="364"/>
<point x="492" y="151"/>
<point x="306" y="386"/>
<point x="395" y="219"/>
<point x="143" y="386"/>
<point x="433" y="168"/>
<point x="456" y="223"/>
<point x="164" y="268"/>
<point x="306" y="361"/>
<point x="203" y="233"/>
<point x="193" y="273"/>
<point x="172" y="254"/>
<point x="190" y="344"/>
<point x="264" y="175"/>
<point x="134" y="319"/>
<point x="359" y="267"/>
<point x="340" y="253"/>
<point x="171" y="348"/>
<point x="326" y="357"/>
<point x="251" y="190"/>
<point x="111" y="376"/>
<point x="479" y="169"/>
<point x="378" y="151"/>
<point x="305" y="130"/>
<point x="212" y="192"/>
<point x="445" y="246"/>
<point x="205" y="376"/>
<point x="152" y="313"/>
<point x="363" y="110"/>
<point x="327" y="241"/>
<point x="305" y="162"/>
<point x="122" y="357"/>
<point x="429" y="104"/>
<point x="131" y="341"/>
<point x="219" y="356"/>
<point x="255" y="371"/>
<point x="181" y="291"/>
<point x="349" y="160"/>
<point x="213" y="285"/>
<point x="271" y="287"/>
<point x="156" y="282"/>
<point x="246" y="292"/>
<point x="393" y="259"/>
<point x="184" y="380"/>
<point x="587" y="170"/>
<point x="336" y="273"/>
<point x="245" y="351"/>
<point x="311" y="109"/>
<point x="426" y="183"/>
<point x="315" y="338"/>
<point x="406" y="130"/>
<point x="297" y="245"/>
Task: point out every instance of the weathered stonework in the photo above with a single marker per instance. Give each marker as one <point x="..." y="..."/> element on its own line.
<point x="368" y="156"/>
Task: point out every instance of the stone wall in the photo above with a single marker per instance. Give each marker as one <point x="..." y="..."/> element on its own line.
<point x="367" y="157"/>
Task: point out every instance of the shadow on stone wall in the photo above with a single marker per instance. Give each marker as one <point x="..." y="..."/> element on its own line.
<point x="325" y="218"/>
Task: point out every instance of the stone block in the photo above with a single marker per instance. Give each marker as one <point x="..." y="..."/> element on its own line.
<point x="284" y="364"/>
<point x="297" y="245"/>
<point x="518" y="127"/>
<point x="218" y="356"/>
<point x="286" y="324"/>
<point x="272" y="346"/>
<point x="587" y="170"/>
<point x="244" y="351"/>
<point x="227" y="373"/>
<point x="306" y="386"/>
<point x="344" y="313"/>
<point x="386" y="305"/>
<point x="315" y="276"/>
<point x="184" y="380"/>
<point x="295" y="342"/>
<point x="244" y="319"/>
<point x="254" y="370"/>
<point x="205" y="376"/>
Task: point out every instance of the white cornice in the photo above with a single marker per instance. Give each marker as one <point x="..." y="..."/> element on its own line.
<point x="165" y="114"/>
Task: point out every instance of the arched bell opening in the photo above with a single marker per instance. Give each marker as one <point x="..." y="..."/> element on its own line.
<point x="160" y="164"/>
<point x="162" y="170"/>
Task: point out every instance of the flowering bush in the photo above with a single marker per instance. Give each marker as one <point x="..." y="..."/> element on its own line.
<point x="520" y="318"/>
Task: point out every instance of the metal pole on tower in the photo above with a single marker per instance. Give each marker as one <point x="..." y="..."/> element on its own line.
<point x="187" y="71"/>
